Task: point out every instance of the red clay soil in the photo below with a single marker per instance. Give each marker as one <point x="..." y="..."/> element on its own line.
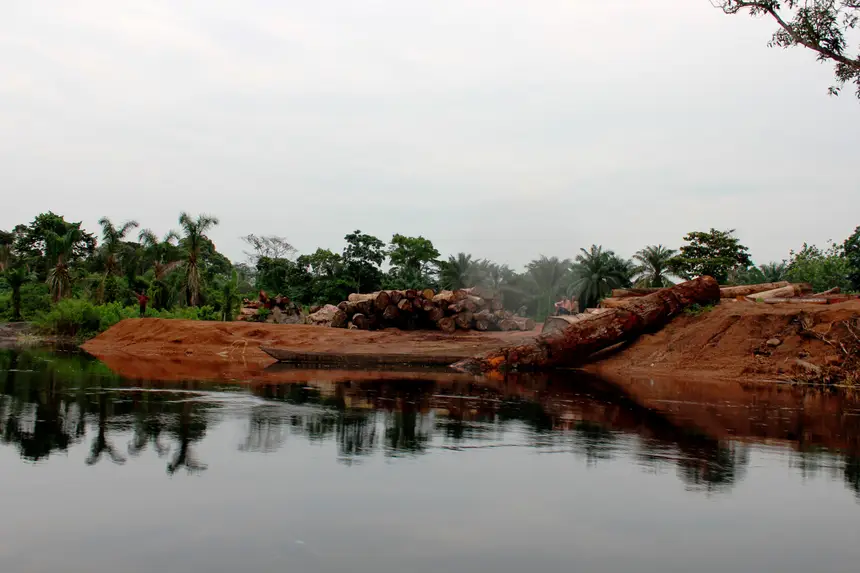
<point x="158" y="349"/>
<point x="730" y="343"/>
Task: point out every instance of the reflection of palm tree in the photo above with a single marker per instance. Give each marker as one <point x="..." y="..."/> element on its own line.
<point x="148" y="427"/>
<point x="190" y="428"/>
<point x="712" y="468"/>
<point x="356" y="435"/>
<point x="403" y="433"/>
<point x="100" y="443"/>
<point x="852" y="474"/>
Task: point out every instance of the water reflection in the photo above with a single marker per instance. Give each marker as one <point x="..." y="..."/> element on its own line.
<point x="50" y="402"/>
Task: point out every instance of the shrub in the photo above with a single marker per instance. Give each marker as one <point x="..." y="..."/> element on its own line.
<point x="80" y="318"/>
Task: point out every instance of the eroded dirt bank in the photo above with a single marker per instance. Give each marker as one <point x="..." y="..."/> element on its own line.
<point x="730" y="342"/>
<point x="158" y="349"/>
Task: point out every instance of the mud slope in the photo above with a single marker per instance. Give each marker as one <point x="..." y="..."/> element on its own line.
<point x="159" y="349"/>
<point x="730" y="342"/>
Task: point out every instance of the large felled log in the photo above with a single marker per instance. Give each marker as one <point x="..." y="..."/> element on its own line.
<point x="574" y="344"/>
<point x="497" y="304"/>
<point x="405" y="306"/>
<point x="828" y="292"/>
<point x="361" y="322"/>
<point x="448" y="297"/>
<point x="789" y="291"/>
<point x="482" y="324"/>
<point x="746" y="290"/>
<point x="485" y="293"/>
<point x="435" y="314"/>
<point x="524" y="323"/>
<point x="427" y="294"/>
<point x="463" y="320"/>
<point x="391" y="313"/>
<point x="395" y="296"/>
<point x="329" y="316"/>
<point x="630" y="292"/>
<point x="615" y="302"/>
<point x="446" y="325"/>
<point x="559" y="323"/>
<point x="379" y="300"/>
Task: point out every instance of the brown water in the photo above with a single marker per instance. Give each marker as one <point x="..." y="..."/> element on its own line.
<point x="535" y="474"/>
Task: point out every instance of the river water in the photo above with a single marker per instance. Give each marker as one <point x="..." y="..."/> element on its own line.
<point x="105" y="475"/>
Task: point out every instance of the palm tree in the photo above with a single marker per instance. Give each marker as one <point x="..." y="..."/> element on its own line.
<point x="458" y="272"/>
<point x="59" y="253"/>
<point x="5" y="256"/>
<point x="595" y="274"/>
<point x="652" y="269"/>
<point x="159" y="252"/>
<point x="112" y="238"/>
<point x="773" y="272"/>
<point x="15" y="278"/>
<point x="195" y="232"/>
<point x="548" y="276"/>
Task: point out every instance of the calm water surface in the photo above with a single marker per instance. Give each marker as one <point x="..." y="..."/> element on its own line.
<point x="104" y="475"/>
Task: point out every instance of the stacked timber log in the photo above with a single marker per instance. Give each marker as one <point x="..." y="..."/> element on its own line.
<point x="474" y="308"/>
<point x="570" y="344"/>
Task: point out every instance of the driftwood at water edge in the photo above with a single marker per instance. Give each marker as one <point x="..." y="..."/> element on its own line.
<point x="572" y="345"/>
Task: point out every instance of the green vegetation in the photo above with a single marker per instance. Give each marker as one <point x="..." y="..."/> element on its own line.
<point x="60" y="277"/>
<point x="823" y="26"/>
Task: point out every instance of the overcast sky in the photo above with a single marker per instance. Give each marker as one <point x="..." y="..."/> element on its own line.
<point x="502" y="128"/>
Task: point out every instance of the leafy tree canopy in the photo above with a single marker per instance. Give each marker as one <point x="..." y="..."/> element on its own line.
<point x="31" y="242"/>
<point x="822" y="268"/>
<point x="713" y="253"/>
<point x="822" y="26"/>
<point x="362" y="257"/>
<point x="851" y="250"/>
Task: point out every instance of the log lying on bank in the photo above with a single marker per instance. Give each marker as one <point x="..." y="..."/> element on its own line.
<point x="788" y="291"/>
<point x="572" y="345"/>
<point x="330" y="316"/>
<point x="747" y="290"/>
<point x="632" y="292"/>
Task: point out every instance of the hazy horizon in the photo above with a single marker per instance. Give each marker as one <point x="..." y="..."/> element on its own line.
<point x="503" y="129"/>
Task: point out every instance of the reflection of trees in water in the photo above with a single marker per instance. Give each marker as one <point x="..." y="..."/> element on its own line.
<point x="713" y="467"/>
<point x="49" y="401"/>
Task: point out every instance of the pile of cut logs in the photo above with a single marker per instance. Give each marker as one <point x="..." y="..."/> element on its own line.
<point x="768" y="293"/>
<point x="465" y="309"/>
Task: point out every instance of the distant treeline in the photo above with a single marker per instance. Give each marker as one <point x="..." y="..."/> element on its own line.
<point x="49" y="262"/>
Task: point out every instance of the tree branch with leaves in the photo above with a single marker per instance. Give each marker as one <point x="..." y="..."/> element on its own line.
<point x="822" y="26"/>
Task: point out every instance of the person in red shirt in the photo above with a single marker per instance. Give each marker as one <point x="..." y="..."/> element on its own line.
<point x="142" y="299"/>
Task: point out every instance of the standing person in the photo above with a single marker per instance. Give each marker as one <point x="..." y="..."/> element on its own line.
<point x="142" y="299"/>
<point x="563" y="306"/>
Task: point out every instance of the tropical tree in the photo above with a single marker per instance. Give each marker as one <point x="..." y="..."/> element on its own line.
<point x="112" y="242"/>
<point x="16" y="277"/>
<point x="162" y="253"/>
<point x="652" y="266"/>
<point x="60" y="249"/>
<point x="362" y="258"/>
<point x="713" y="253"/>
<point x="194" y="231"/>
<point x="6" y="240"/>
<point x="229" y="297"/>
<point x="595" y="273"/>
<point x="548" y="277"/>
<point x="458" y="272"/>
<point x="773" y="272"/>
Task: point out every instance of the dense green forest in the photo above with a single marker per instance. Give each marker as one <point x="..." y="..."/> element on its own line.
<point x="72" y="281"/>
